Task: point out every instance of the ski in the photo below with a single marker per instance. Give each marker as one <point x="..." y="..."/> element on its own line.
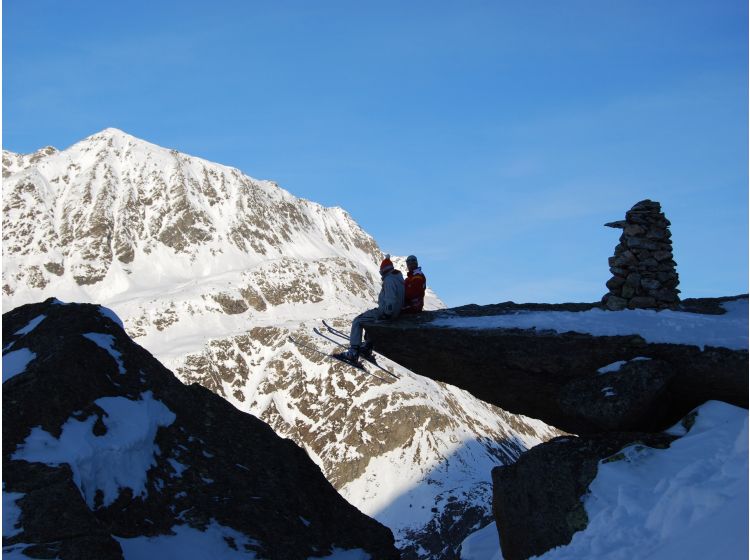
<point x="333" y="357"/>
<point x="339" y="333"/>
<point x="335" y="331"/>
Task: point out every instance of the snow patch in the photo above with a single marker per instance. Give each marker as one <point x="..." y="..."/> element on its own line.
<point x="342" y="554"/>
<point x="120" y="458"/>
<point x="107" y="342"/>
<point x="188" y="543"/>
<point x="14" y="363"/>
<point x="109" y="314"/>
<point x="34" y="323"/>
<point x="482" y="545"/>
<point x="11" y="514"/>
<point x="178" y="467"/>
<point x="672" y="327"/>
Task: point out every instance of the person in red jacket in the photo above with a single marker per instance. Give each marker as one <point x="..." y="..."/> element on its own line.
<point x="415" y="285"/>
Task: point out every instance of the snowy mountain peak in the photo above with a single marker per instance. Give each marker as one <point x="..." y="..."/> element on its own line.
<point x="113" y="206"/>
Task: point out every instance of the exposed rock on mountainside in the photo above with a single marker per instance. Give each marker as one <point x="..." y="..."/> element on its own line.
<point x="211" y="271"/>
<point x="386" y="444"/>
<point x="102" y="445"/>
<point x="98" y="206"/>
<point x="553" y="376"/>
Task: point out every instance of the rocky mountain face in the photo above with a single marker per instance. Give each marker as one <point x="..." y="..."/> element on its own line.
<point x="211" y="271"/>
<point x="112" y="203"/>
<point x="104" y="449"/>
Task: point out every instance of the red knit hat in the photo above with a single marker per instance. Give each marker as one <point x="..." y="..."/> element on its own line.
<point x="386" y="266"/>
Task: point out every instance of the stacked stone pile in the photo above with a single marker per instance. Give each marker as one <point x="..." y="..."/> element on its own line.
<point x="643" y="269"/>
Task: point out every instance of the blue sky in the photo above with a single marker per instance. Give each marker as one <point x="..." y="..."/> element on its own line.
<point x="493" y="139"/>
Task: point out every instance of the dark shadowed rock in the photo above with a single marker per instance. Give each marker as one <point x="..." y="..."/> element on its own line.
<point x="543" y="374"/>
<point x="538" y="500"/>
<point x="555" y="377"/>
<point x="631" y="398"/>
<point x="213" y="464"/>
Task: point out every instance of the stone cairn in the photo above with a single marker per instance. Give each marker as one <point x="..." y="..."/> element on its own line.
<point x="644" y="272"/>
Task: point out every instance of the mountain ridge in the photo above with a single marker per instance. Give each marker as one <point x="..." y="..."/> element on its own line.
<point x="220" y="313"/>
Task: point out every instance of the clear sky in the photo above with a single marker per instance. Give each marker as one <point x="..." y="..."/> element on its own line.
<point x="493" y="139"/>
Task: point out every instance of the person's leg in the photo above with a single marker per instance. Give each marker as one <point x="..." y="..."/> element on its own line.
<point x="355" y="336"/>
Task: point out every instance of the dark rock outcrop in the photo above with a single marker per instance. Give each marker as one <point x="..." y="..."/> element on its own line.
<point x="554" y="376"/>
<point x="212" y="464"/>
<point x="537" y="500"/>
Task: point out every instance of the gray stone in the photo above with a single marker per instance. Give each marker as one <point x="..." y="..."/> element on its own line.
<point x="628" y="291"/>
<point x="615" y="282"/>
<point x="538" y="500"/>
<point x="642" y="302"/>
<point x="633" y="279"/>
<point x="615" y="303"/>
<point x="645" y="248"/>
<point x="663" y="255"/>
<point x="617" y="225"/>
<point x="635" y="229"/>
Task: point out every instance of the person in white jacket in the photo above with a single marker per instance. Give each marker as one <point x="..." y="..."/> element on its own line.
<point x="390" y="300"/>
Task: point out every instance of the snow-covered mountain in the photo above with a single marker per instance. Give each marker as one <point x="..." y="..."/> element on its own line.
<point x="212" y="271"/>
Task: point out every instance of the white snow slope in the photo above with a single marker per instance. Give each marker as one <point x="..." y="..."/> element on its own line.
<point x="211" y="271"/>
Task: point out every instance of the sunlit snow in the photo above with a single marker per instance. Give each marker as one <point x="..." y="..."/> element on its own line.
<point x="729" y="330"/>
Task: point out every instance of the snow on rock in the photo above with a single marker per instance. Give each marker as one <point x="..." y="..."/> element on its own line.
<point x="617" y="366"/>
<point x="107" y="342"/>
<point x="676" y="327"/>
<point x="215" y="542"/>
<point x="31" y="326"/>
<point x="687" y="501"/>
<point x="15" y="362"/>
<point x="117" y="459"/>
<point x="482" y="545"/>
<point x="11" y="513"/>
